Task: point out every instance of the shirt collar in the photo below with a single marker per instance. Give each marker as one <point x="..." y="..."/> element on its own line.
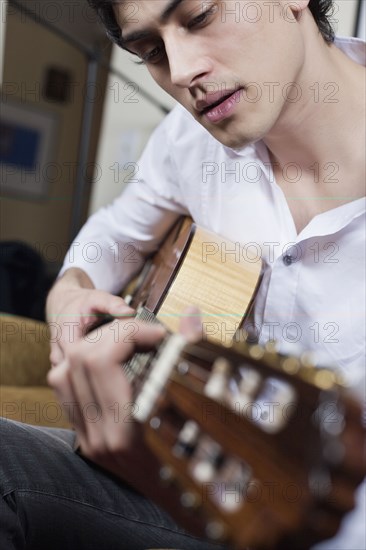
<point x="354" y="48"/>
<point x="331" y="221"/>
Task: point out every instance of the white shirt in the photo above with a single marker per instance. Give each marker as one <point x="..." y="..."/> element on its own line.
<point x="312" y="295"/>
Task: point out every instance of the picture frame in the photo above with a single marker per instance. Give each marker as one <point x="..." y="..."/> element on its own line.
<point x="27" y="149"/>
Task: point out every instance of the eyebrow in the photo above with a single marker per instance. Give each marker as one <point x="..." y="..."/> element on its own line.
<point x="170" y="9"/>
<point x="139" y="35"/>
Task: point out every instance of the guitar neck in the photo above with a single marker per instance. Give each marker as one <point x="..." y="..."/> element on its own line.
<point x="138" y="366"/>
<point x="225" y="421"/>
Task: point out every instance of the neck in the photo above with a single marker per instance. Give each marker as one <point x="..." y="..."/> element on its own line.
<point x="326" y="125"/>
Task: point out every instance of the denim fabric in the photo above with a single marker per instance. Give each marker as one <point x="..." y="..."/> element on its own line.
<point x="52" y="499"/>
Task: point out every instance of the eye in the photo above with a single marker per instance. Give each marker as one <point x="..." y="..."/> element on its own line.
<point x="153" y="56"/>
<point x="149" y="52"/>
<point x="203" y="18"/>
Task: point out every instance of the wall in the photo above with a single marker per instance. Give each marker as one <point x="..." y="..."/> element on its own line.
<point x="29" y="50"/>
<point x="128" y="121"/>
<point x="3" y="8"/>
<point x="344" y="16"/>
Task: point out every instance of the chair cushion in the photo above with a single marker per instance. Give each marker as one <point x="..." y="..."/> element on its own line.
<point x="24" y="353"/>
<point x="35" y="405"/>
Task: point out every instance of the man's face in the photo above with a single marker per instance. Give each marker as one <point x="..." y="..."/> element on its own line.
<point x="229" y="63"/>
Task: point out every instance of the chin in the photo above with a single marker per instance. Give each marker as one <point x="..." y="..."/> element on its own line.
<point x="237" y="134"/>
<point x="237" y="140"/>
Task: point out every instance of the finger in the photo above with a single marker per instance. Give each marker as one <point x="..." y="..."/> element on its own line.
<point x="191" y="324"/>
<point x="112" y="390"/>
<point x="132" y="335"/>
<point x="105" y="307"/>
<point x="113" y="393"/>
<point x="56" y="354"/>
<point x="100" y="386"/>
<point x="81" y="379"/>
<point x="59" y="380"/>
<point x="109" y="304"/>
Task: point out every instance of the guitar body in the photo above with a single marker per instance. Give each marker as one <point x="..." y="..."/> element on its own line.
<point x="261" y="450"/>
<point x="197" y="267"/>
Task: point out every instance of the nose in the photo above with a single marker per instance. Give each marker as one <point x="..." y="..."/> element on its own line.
<point x="187" y="62"/>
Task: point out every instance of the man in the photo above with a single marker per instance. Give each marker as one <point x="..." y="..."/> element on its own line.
<point x="267" y="148"/>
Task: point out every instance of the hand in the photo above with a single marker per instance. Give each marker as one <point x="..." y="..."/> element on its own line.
<point x="73" y="307"/>
<point x="92" y="388"/>
<point x="96" y="396"/>
<point x="98" y="399"/>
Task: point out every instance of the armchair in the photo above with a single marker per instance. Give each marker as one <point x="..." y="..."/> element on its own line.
<point x="24" y="363"/>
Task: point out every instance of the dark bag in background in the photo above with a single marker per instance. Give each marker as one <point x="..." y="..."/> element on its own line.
<point x="23" y="280"/>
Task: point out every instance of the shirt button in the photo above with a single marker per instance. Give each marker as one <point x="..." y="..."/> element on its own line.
<point x="287" y="259"/>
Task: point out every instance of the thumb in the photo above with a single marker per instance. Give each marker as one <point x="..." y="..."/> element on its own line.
<point x="191" y="324"/>
<point x="109" y="304"/>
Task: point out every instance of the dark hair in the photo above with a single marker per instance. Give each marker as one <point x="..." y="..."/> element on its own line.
<point x="322" y="10"/>
<point x="104" y="9"/>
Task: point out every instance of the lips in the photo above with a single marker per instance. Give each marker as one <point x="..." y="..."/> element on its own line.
<point x="218" y="106"/>
<point x="213" y="99"/>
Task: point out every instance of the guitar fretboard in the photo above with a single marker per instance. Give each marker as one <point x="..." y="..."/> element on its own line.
<point x="136" y="367"/>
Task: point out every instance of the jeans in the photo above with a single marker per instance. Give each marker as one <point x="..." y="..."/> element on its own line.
<point x="53" y="499"/>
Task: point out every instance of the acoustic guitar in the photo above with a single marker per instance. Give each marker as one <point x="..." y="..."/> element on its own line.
<point x="196" y="266"/>
<point x="266" y="450"/>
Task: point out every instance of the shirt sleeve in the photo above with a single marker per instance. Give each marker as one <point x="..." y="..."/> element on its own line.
<point x="112" y="245"/>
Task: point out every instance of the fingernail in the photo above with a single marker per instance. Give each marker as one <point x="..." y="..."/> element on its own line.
<point x="194" y="313"/>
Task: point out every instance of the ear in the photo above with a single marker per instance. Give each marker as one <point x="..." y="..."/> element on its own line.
<point x="293" y="9"/>
<point x="297" y="6"/>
